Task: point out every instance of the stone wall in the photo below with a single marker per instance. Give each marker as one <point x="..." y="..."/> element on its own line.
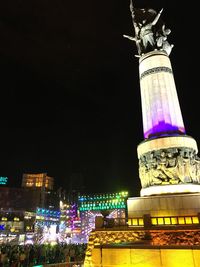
<point x="131" y="238"/>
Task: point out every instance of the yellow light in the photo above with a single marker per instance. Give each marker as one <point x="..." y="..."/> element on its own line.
<point x="135" y="222"/>
<point x="181" y="220"/>
<point x="141" y="222"/>
<point x="188" y="220"/>
<point x="129" y="222"/>
<point x="154" y="221"/>
<point x="53" y="243"/>
<point x="142" y="257"/>
<point x="27" y="217"/>
<point x="160" y="221"/>
<point x="167" y="221"/>
<point x="174" y="220"/>
<point x="195" y="220"/>
<point x="40" y="217"/>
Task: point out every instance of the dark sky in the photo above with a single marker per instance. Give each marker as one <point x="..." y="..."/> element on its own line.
<point x="70" y="99"/>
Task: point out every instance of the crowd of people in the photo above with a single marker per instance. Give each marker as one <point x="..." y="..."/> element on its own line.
<point x="32" y="255"/>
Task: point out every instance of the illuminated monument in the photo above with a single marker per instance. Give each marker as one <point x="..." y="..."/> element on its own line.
<point x="163" y="223"/>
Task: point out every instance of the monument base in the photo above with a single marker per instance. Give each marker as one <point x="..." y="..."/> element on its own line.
<point x="170" y="189"/>
<point x="164" y="205"/>
<point x="119" y="256"/>
<point x="131" y="247"/>
<point x="160" y="230"/>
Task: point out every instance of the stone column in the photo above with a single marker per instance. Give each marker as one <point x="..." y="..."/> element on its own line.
<point x="160" y="106"/>
<point x="168" y="161"/>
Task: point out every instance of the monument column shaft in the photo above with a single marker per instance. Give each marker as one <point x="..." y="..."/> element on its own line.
<point x="168" y="161"/>
<point x="160" y="106"/>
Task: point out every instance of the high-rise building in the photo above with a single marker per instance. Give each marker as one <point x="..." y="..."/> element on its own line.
<point x="37" y="180"/>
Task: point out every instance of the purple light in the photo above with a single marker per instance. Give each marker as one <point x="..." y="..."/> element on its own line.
<point x="163" y="128"/>
<point x="160" y="105"/>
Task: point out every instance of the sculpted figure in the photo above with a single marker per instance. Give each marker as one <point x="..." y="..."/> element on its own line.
<point x="149" y="34"/>
<point x="183" y="162"/>
<point x="136" y="38"/>
<point x="146" y="33"/>
<point x="161" y="40"/>
<point x="171" y="169"/>
<point x="193" y="171"/>
<point x="155" y="172"/>
<point x="144" y="175"/>
<point x="197" y="160"/>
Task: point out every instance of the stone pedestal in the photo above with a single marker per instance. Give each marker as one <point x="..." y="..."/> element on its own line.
<point x="164" y="205"/>
<point x="169" y="165"/>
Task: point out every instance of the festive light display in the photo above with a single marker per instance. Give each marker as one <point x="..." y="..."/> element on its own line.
<point x="70" y="224"/>
<point x="103" y="201"/>
<point x="47" y="213"/>
<point x="46" y="225"/>
<point x="91" y="206"/>
<point x="3" y="180"/>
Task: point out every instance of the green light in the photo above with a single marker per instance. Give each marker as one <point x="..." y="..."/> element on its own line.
<point x="3" y="180"/>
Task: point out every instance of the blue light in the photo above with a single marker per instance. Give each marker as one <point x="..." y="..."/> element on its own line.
<point x="3" y="180"/>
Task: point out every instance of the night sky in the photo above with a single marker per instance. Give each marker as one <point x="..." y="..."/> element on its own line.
<point x="70" y="97"/>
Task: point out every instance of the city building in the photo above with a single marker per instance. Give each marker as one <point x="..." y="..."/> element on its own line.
<point x="20" y="208"/>
<point x="37" y="180"/>
<point x="44" y="185"/>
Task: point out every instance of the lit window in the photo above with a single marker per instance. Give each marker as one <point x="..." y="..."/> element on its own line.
<point x="167" y="220"/>
<point x="188" y="220"/>
<point x="154" y="221"/>
<point x="38" y="184"/>
<point x="141" y="222"/>
<point x="129" y="222"/>
<point x="160" y="221"/>
<point x="134" y="221"/>
<point x="195" y="219"/>
<point x="181" y="220"/>
<point x="174" y="220"/>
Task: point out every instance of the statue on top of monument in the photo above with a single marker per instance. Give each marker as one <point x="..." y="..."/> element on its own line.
<point x="161" y="40"/>
<point x="149" y="34"/>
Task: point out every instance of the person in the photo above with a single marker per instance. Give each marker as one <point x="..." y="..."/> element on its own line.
<point x="31" y="256"/>
<point x="161" y="40"/>
<point x="72" y="253"/>
<point x="144" y="21"/>
<point x="22" y="259"/>
<point x="136" y="38"/>
<point x="15" y="257"/>
<point x="133" y="39"/>
<point x="146" y="33"/>
<point x="4" y="261"/>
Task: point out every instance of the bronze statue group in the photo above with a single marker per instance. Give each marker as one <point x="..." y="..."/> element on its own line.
<point x="150" y="32"/>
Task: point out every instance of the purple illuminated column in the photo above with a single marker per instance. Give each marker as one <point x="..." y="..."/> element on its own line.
<point x="160" y="106"/>
<point x="168" y="161"/>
